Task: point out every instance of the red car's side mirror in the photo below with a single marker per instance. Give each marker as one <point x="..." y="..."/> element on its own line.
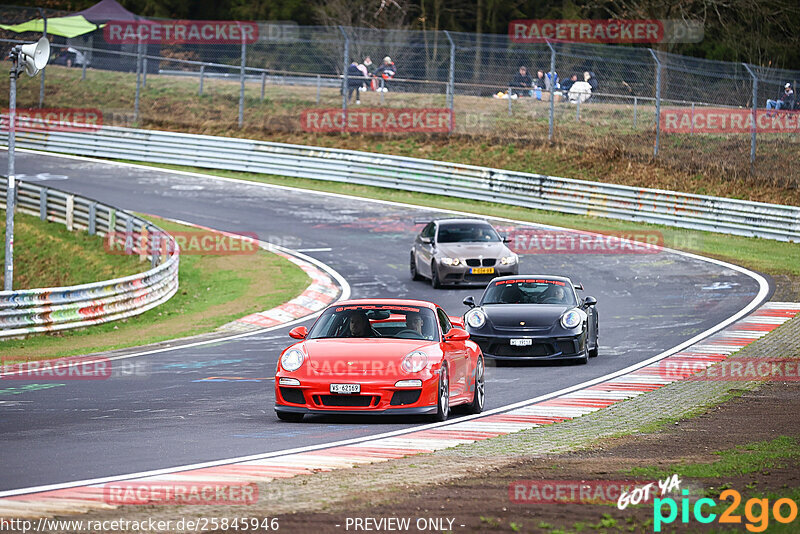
<point x="456" y="334"/>
<point x="457" y="322"/>
<point x="298" y="332"/>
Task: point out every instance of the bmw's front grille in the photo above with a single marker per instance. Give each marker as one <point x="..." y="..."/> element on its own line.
<point x="486" y="262"/>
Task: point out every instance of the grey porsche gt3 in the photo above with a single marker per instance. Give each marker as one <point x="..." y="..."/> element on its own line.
<point x="533" y="317"/>
<point x="461" y="251"/>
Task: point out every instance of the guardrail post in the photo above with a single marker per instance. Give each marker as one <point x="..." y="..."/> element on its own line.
<point x="155" y="245"/>
<point x="241" y="83"/>
<point x="43" y="204"/>
<point x="138" y="81"/>
<point x="451" y="81"/>
<point x="755" y="111"/>
<point x="552" y="91"/>
<point x="635" y="102"/>
<point x="263" y="83"/>
<point x="92" y="218"/>
<point x="202" y="75"/>
<point x="128" y="234"/>
<point x="319" y="84"/>
<point x="112" y="220"/>
<point x="658" y="103"/>
<point x="70" y="214"/>
<point x="144" y="243"/>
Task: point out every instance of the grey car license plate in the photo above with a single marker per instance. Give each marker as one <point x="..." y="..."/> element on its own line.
<point x="525" y="342"/>
<point x="346" y="389"/>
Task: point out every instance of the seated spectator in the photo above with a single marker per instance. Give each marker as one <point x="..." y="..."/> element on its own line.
<point x="551" y="81"/>
<point x="579" y="92"/>
<point x="786" y="100"/>
<point x="566" y="86"/>
<point x="522" y="83"/>
<point x="590" y="78"/>
<point x="387" y="71"/>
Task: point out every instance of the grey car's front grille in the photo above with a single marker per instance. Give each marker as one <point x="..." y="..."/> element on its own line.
<point x="487" y="262"/>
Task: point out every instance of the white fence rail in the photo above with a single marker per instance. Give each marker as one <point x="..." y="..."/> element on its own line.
<point x="31" y="311"/>
<point x="700" y="212"/>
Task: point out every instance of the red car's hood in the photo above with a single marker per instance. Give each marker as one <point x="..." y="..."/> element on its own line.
<point x="345" y="357"/>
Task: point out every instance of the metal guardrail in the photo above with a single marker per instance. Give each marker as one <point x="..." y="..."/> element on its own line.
<point x="51" y="309"/>
<point x="699" y="212"/>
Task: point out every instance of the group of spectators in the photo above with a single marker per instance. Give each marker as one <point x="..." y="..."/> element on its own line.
<point x="364" y="77"/>
<point x="786" y="101"/>
<point x="523" y="85"/>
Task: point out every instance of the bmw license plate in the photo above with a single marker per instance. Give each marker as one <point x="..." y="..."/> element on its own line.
<point x="521" y="342"/>
<point x="482" y="270"/>
<point x="346" y="389"/>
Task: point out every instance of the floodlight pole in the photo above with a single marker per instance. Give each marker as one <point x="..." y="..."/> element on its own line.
<point x="11" y="190"/>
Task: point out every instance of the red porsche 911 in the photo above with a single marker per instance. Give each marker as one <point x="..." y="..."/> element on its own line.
<point x="383" y="356"/>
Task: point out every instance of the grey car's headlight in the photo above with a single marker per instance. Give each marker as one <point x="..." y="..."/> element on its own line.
<point x="571" y="319"/>
<point x="451" y="261"/>
<point x="414" y="362"/>
<point x="509" y="260"/>
<point x="292" y="359"/>
<point x="476" y="318"/>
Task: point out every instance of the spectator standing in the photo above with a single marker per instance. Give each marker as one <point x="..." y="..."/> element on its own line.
<point x="786" y="100"/>
<point x="522" y="83"/>
<point x="354" y="80"/>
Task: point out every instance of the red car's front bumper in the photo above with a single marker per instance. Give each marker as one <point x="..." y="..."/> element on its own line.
<point x="378" y="396"/>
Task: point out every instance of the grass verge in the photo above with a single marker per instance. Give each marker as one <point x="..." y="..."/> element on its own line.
<point x="49" y="255"/>
<point x="213" y="290"/>
<point x="772" y="257"/>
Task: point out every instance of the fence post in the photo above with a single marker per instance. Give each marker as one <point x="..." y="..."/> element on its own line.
<point x="635" y="102"/>
<point x="508" y="97"/>
<point x="319" y="84"/>
<point x="658" y="102"/>
<point x="92" y="218"/>
<point x="144" y="72"/>
<point x="43" y="204"/>
<point x="691" y="125"/>
<point x="552" y="91"/>
<point x="383" y="86"/>
<point x="138" y="81"/>
<point x="755" y="110"/>
<point x="263" y="83"/>
<point x="241" y="83"/>
<point x="344" y="76"/>
<point x="202" y="75"/>
<point x="451" y="81"/>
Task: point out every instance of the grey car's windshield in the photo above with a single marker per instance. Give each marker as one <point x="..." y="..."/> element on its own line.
<point x="376" y="321"/>
<point x="467" y="233"/>
<point x="529" y="291"/>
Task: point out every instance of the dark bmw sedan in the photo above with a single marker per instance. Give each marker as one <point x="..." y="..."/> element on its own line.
<point x="533" y="317"/>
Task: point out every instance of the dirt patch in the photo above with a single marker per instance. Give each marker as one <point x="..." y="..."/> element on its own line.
<point x="481" y="503"/>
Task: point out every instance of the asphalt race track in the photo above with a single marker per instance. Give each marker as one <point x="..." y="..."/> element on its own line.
<point x="166" y="415"/>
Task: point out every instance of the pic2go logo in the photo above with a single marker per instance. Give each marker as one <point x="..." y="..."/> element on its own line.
<point x="756" y="511"/>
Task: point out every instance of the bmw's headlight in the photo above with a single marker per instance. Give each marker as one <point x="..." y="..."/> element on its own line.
<point x="509" y="260"/>
<point x="476" y="318"/>
<point x="414" y="362"/>
<point x="451" y="261"/>
<point x="292" y="360"/>
<point x="571" y="319"/>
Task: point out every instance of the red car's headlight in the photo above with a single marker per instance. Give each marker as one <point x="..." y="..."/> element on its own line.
<point x="414" y="362"/>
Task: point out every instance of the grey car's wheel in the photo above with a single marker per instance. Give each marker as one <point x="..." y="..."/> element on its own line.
<point x="443" y="398"/>
<point x="479" y="396"/>
<point x="291" y="417"/>
<point x="594" y="352"/>
<point x="435" y="282"/>
<point x="413" y="268"/>
<point x="583" y="360"/>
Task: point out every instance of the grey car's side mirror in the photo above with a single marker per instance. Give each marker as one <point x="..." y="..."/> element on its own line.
<point x="506" y="239"/>
<point x="470" y="301"/>
<point x="589" y="301"/>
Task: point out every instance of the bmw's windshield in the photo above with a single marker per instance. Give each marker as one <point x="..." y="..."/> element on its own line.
<point x="467" y="233"/>
<point x="529" y="291"/>
<point x="376" y="321"/>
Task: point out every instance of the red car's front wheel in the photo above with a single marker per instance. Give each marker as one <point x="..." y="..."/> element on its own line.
<point x="443" y="398"/>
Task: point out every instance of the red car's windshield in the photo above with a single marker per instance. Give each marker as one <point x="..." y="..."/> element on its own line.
<point x="376" y="321"/>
